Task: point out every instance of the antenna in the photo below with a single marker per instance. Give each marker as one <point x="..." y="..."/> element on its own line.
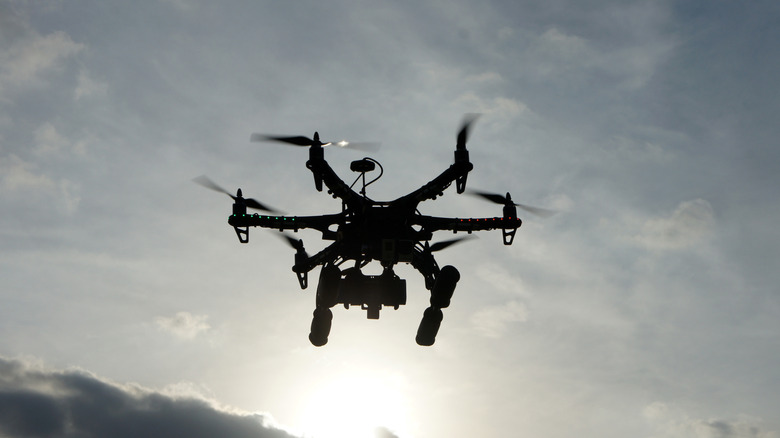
<point x="364" y="166"/>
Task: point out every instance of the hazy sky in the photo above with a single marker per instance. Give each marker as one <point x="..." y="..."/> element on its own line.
<point x="648" y="307"/>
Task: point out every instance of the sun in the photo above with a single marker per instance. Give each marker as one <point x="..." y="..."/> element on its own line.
<point x="354" y="407"/>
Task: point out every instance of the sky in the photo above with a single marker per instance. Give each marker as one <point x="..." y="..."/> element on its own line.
<point x="648" y="306"/>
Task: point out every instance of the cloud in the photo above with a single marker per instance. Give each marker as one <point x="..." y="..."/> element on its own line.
<point x="671" y="422"/>
<point x="27" y="55"/>
<point x="18" y="175"/>
<point x="553" y="40"/>
<point x="500" y="278"/>
<point x="88" y="87"/>
<point x="493" y="322"/>
<point x="22" y="178"/>
<point x="48" y="140"/>
<point x="35" y="402"/>
<point x="587" y="55"/>
<point x="184" y="325"/>
<point x="496" y="108"/>
<point x="689" y="224"/>
<point x="555" y="52"/>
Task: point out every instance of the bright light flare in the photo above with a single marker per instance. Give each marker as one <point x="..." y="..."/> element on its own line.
<point x="354" y="407"/>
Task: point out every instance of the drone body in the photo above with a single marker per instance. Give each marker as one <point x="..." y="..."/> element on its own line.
<point x="370" y="231"/>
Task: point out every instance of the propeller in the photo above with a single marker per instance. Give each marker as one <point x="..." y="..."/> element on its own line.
<point x="465" y="127"/>
<point x="297" y="141"/>
<point x="297" y="244"/>
<point x="438" y="246"/>
<point x="306" y="141"/>
<point x="251" y="203"/>
<point x="507" y="200"/>
<point x="294" y="243"/>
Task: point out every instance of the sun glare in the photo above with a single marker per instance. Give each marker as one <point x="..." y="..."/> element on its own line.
<point x="354" y="407"/>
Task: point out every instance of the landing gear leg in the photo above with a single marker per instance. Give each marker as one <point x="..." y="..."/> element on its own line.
<point x="429" y="326"/>
<point x="441" y="295"/>
<point x="328" y="286"/>
<point x="320" y="326"/>
<point x="442" y="291"/>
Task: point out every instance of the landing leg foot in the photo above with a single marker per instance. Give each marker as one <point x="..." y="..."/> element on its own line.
<point x="429" y="326"/>
<point x="320" y="326"/>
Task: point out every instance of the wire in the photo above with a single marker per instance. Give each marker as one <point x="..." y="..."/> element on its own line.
<point x="363" y="176"/>
<point x="381" y="171"/>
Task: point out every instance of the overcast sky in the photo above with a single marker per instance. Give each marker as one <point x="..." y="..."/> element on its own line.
<point x="649" y="306"/>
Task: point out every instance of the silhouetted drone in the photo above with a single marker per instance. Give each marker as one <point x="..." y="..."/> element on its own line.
<point x="366" y="230"/>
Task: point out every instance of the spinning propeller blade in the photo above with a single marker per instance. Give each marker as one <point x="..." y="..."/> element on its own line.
<point x="541" y="212"/>
<point x="300" y="140"/>
<point x="438" y="246"/>
<point x="365" y="146"/>
<point x="292" y="241"/>
<point x="465" y="127"/>
<point x="209" y="184"/>
<point x="492" y="197"/>
<point x="296" y="244"/>
<point x="250" y="203"/>
<point x="297" y="140"/>
<point x="507" y="200"/>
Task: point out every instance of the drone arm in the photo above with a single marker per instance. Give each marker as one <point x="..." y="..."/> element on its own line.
<point x="426" y="265"/>
<point x="327" y="255"/>
<point x="336" y="186"/>
<point x="294" y="223"/>
<point x="508" y="225"/>
<point x="457" y="172"/>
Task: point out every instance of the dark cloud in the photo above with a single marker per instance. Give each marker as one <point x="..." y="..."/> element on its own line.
<point x="27" y="413"/>
<point x="41" y="403"/>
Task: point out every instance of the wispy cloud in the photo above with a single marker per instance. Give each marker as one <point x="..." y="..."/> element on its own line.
<point x="88" y="87"/>
<point x="672" y="422"/>
<point x="29" y="55"/>
<point x="48" y="140"/>
<point x="494" y="321"/>
<point x="21" y="178"/>
<point x="184" y="325"/>
<point x="689" y="224"/>
<point x="18" y="175"/>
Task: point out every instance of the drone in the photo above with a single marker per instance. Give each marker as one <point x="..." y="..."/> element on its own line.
<point x="365" y="231"/>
